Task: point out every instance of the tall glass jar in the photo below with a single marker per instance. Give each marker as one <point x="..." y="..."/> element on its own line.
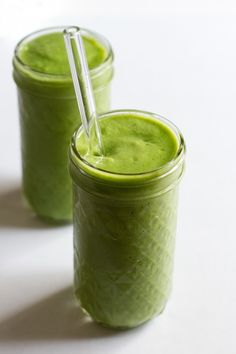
<point x="124" y="236"/>
<point x="48" y="117"/>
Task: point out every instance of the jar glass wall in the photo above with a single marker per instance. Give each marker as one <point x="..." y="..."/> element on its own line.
<point x="124" y="236"/>
<point x="48" y="117"/>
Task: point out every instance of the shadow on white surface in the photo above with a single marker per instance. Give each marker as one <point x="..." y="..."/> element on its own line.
<point x="14" y="213"/>
<point x="54" y="318"/>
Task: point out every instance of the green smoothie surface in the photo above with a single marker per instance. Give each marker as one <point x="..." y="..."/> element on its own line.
<point x="46" y="54"/>
<point x="133" y="144"/>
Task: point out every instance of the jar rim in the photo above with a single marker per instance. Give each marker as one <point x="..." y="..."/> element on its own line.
<point x="93" y="72"/>
<point x="160" y="171"/>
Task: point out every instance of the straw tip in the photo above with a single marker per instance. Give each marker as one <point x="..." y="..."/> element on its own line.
<point x="71" y="30"/>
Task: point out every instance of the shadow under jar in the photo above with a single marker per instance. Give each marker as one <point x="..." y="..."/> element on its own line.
<point x="124" y="232"/>
<point x="49" y="114"/>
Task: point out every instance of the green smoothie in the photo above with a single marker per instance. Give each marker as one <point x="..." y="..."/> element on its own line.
<point x="125" y="206"/>
<point x="49" y="114"/>
<point x="46" y="54"/>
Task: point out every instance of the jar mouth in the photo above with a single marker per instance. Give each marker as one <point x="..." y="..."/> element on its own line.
<point x="160" y="171"/>
<point x="86" y="32"/>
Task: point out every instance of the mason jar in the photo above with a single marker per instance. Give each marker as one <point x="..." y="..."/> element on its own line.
<point x="124" y="235"/>
<point x="48" y="117"/>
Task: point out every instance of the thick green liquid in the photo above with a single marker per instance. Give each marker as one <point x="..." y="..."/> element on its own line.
<point x="49" y="116"/>
<point x="124" y="225"/>
<point x="132" y="144"/>
<point x="46" y="54"/>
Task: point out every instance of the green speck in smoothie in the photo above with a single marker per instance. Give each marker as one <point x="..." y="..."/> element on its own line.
<point x="47" y="54"/>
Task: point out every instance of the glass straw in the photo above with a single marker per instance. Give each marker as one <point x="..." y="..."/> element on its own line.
<point x="82" y="85"/>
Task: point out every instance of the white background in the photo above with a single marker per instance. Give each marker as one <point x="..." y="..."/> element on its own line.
<point x="175" y="58"/>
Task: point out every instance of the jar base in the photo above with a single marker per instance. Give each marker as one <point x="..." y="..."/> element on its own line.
<point x="117" y="327"/>
<point x="50" y="221"/>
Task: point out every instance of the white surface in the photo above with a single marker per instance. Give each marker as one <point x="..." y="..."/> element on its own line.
<point x="186" y="71"/>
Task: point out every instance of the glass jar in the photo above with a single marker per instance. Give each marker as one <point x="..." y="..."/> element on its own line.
<point x="124" y="236"/>
<point x="48" y="117"/>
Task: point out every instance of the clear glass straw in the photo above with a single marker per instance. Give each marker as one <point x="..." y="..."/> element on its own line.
<point x="82" y="85"/>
